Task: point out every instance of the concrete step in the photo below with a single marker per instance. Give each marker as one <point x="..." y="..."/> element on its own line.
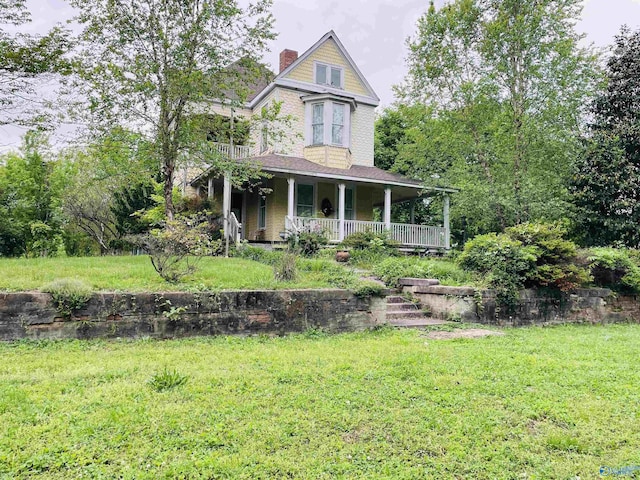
<point x="396" y="299"/>
<point x="418" y="282"/>
<point x="416" y="322"/>
<point x="402" y="307"/>
<point x="395" y="315"/>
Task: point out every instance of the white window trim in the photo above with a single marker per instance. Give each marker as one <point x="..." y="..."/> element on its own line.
<point x="263" y="227"/>
<point x="327" y="82"/>
<point x="328" y="124"/>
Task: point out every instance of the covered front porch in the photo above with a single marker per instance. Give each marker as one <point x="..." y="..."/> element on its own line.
<point x="306" y="197"/>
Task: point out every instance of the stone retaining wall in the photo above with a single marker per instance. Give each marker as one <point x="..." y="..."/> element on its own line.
<point x="593" y="305"/>
<point x="33" y="315"/>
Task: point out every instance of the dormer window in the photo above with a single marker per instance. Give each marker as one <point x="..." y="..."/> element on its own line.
<point x="330" y="75"/>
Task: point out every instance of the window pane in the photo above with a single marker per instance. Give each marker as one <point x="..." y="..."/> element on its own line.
<point x="336" y="135"/>
<point x="262" y="213"/>
<point x="321" y="74"/>
<point x="336" y="77"/>
<point x="348" y="204"/>
<point x="338" y="123"/>
<point x="305" y="194"/>
<point x="338" y="114"/>
<point x="318" y="134"/>
<point x="318" y="113"/>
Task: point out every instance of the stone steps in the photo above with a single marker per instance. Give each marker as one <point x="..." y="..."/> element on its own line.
<point x="406" y="314"/>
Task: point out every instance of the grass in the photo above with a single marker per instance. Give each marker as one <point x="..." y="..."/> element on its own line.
<point x="135" y="274"/>
<point x="536" y="403"/>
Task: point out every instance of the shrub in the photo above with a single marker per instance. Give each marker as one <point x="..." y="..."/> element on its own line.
<point x="167" y="380"/>
<point x="527" y="255"/>
<point x="613" y="268"/>
<point x="284" y="270"/>
<point x="175" y="249"/>
<point x="504" y="262"/>
<point x="555" y="256"/>
<point x="367" y="288"/>
<point x="392" y="269"/>
<point x="369" y="240"/>
<point x="69" y="295"/>
<point x="307" y="243"/>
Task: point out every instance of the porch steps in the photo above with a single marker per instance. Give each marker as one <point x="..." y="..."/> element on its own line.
<point x="404" y="313"/>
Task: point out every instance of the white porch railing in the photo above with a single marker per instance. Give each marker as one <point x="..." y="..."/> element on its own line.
<point x="234" y="229"/>
<point x="233" y="152"/>
<point x="405" y="234"/>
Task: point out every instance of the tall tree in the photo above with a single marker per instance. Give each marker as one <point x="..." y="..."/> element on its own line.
<point x="506" y="82"/>
<point x="24" y="58"/>
<point x="606" y="182"/>
<point x="151" y="63"/>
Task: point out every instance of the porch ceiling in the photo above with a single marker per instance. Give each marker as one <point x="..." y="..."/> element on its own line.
<point x="280" y="164"/>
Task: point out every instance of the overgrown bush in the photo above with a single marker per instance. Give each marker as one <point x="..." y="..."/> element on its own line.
<point x="176" y="248"/>
<point x="69" y="295"/>
<point x="555" y="256"/>
<point x="613" y="268"/>
<point x="527" y="255"/>
<point x="391" y="270"/>
<point x="369" y="240"/>
<point x="502" y="261"/>
<point x="307" y="244"/>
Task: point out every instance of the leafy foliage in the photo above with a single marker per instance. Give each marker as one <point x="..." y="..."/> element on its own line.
<point x="176" y="249"/>
<point x="153" y="60"/>
<point x="606" y="181"/>
<point x="527" y="255"/>
<point x="392" y="269"/>
<point x="284" y="269"/>
<point x="69" y="295"/>
<point x="307" y="243"/>
<point x="496" y="95"/>
<point x="614" y="268"/>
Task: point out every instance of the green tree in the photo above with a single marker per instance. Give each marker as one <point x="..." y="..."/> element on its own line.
<point x="150" y="64"/>
<point x="505" y="83"/>
<point x="30" y="208"/>
<point x="23" y="59"/>
<point x="606" y="182"/>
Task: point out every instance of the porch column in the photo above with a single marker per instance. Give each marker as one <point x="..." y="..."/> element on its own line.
<point x="341" y="203"/>
<point x="412" y="212"/>
<point x="292" y="189"/>
<point x="210" y="188"/>
<point x="226" y="203"/>
<point x="387" y="208"/>
<point x="445" y="222"/>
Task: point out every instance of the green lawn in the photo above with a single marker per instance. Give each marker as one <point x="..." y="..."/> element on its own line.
<point x="135" y="274"/>
<point x="546" y="403"/>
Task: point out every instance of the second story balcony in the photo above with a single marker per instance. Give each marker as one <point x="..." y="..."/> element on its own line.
<point x="232" y="152"/>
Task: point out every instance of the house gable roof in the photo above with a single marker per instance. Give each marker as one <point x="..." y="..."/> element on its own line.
<point x="365" y="95"/>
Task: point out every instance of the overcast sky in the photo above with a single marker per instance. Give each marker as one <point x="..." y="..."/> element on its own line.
<point x="373" y="31"/>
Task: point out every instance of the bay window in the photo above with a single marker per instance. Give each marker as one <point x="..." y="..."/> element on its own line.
<point x="328" y="123"/>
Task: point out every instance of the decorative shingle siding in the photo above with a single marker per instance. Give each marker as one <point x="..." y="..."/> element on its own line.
<point x="328" y="53"/>
<point x="334" y="157"/>
<point x="362" y="128"/>
<point x="292" y="107"/>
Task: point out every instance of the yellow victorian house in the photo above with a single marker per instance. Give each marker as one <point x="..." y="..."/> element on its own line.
<point x="325" y="178"/>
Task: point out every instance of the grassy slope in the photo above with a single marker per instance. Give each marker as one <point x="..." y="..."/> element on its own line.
<point x="536" y="403"/>
<point x="136" y="274"/>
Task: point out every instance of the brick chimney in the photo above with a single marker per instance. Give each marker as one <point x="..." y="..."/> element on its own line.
<point x="287" y="57"/>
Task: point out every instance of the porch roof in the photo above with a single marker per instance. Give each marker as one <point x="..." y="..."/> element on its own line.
<point x="357" y="173"/>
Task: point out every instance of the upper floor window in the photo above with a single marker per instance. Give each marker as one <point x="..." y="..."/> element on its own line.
<point x="329" y="75"/>
<point x="328" y="123"/>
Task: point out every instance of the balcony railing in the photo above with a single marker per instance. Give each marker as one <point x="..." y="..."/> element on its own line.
<point x="406" y="235"/>
<point x="233" y="152"/>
